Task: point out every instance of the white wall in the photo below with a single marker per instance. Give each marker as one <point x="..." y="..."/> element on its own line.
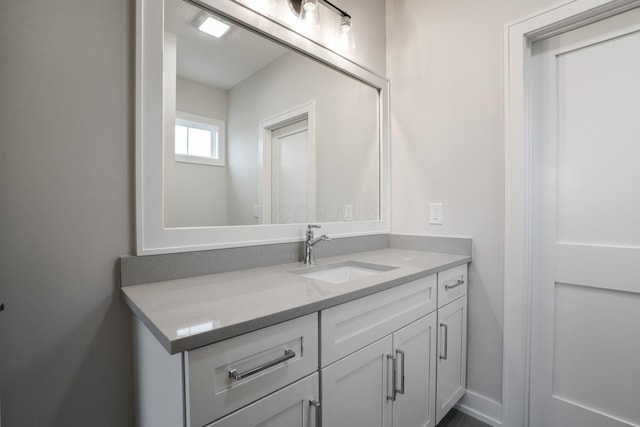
<point x="445" y="61"/>
<point x="346" y="149"/>
<point x="194" y="194"/>
<point x="200" y="190"/>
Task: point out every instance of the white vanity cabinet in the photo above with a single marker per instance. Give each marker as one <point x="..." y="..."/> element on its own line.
<point x="452" y="339"/>
<point x="394" y="358"/>
<point x="391" y="381"/>
<point x="201" y="386"/>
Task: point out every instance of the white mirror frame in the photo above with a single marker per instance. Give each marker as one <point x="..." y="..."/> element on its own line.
<point x="152" y="236"/>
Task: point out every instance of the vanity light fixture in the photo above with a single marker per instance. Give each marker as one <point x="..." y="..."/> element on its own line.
<point x="345" y="37"/>
<point x="305" y="8"/>
<point x="209" y="24"/>
<point x="345" y="23"/>
<point x="309" y="5"/>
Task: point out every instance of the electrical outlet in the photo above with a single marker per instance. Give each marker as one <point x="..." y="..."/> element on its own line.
<point x="348" y="212"/>
<point x="435" y="213"/>
<point x="255" y="211"/>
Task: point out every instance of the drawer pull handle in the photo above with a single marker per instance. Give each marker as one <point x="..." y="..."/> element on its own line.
<point x="288" y="354"/>
<point x="455" y="285"/>
<point x="316" y="405"/>
<point x="446" y="342"/>
<point x="394" y="375"/>
<point x="401" y="389"/>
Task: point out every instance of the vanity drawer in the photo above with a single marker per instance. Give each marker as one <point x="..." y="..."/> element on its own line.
<point x="452" y="284"/>
<point x="290" y="406"/>
<point x="353" y="325"/>
<point x="262" y="362"/>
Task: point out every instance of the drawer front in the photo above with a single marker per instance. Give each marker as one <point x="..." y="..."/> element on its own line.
<point x="289" y="407"/>
<point x="452" y="284"/>
<point x="225" y="376"/>
<point x="351" y="326"/>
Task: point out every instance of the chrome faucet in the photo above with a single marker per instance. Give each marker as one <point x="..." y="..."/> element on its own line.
<point x="309" y="243"/>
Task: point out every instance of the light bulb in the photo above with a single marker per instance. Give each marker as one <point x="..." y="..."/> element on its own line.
<point x="309" y="5"/>
<point x="345" y="23"/>
<point x="345" y="40"/>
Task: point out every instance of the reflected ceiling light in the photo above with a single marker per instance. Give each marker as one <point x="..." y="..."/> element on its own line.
<point x="304" y="8"/>
<point x="345" y="23"/>
<point x="207" y="23"/>
<point x="309" y="5"/>
<point x="346" y="41"/>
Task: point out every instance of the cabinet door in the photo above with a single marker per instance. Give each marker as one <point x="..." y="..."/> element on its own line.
<point x="355" y="389"/>
<point x="289" y="407"/>
<point x="415" y="352"/>
<point x="452" y="355"/>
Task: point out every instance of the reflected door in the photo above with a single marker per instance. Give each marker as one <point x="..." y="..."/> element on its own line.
<point x="290" y="181"/>
<point x="586" y="307"/>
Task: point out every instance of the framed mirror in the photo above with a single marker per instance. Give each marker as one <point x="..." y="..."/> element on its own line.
<point x="245" y="138"/>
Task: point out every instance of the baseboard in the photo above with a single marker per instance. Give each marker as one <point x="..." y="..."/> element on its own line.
<point x="481" y="408"/>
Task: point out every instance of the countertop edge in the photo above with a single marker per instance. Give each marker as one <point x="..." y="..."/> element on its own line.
<point x="210" y="337"/>
<point x="149" y="324"/>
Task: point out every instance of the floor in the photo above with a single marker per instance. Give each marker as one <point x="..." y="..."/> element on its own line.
<point x="456" y="418"/>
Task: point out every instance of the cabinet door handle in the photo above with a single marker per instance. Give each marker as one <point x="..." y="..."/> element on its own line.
<point x="392" y="397"/>
<point x="316" y="406"/>
<point x="445" y="338"/>
<point x="401" y="389"/>
<point x="288" y="354"/>
<point x="459" y="282"/>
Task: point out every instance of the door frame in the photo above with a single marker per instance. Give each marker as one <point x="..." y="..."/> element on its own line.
<point x="265" y="144"/>
<point x="521" y="256"/>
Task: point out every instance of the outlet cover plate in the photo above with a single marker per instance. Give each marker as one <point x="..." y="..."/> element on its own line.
<point x="435" y="213"/>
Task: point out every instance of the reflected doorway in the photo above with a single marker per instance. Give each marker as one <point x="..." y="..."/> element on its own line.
<point x="288" y="166"/>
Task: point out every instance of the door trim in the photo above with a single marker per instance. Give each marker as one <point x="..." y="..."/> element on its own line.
<point x="520" y="202"/>
<point x="306" y="111"/>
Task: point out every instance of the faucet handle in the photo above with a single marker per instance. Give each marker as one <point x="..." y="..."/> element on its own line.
<point x="310" y="226"/>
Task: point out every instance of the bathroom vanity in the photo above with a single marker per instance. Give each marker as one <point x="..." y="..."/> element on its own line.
<point x="373" y="338"/>
<point x="383" y="332"/>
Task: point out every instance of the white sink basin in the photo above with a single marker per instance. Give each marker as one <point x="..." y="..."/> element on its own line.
<point x="343" y="271"/>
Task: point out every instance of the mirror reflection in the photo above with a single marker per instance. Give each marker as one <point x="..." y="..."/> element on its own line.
<point x="255" y="133"/>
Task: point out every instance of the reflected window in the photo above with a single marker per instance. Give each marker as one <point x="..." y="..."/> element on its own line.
<point x="199" y="140"/>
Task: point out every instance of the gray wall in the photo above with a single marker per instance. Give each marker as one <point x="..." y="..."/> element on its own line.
<point x="66" y="179"/>
<point x="67" y="207"/>
<point x="66" y="211"/>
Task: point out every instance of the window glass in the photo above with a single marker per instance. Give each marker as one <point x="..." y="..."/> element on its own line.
<point x="199" y="140"/>
<point x="181" y="139"/>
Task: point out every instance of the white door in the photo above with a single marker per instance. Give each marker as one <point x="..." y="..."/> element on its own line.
<point x="290" y="180"/>
<point x="415" y="352"/>
<point x="585" y="353"/>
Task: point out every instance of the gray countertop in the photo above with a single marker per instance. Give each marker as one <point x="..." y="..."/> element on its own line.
<point x="184" y="314"/>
